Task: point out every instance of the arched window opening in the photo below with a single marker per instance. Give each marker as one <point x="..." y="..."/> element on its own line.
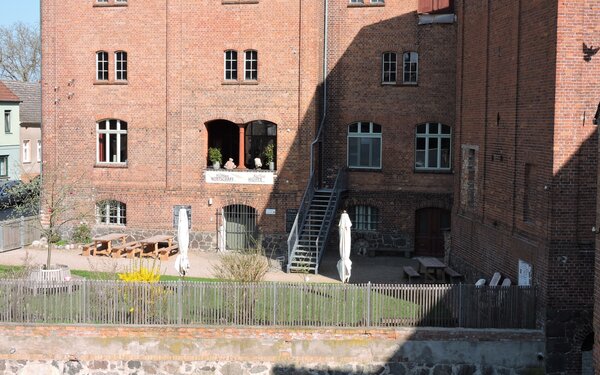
<point x="260" y="135"/>
<point x="111" y="212"/>
<point x="224" y="135"/>
<point x="239" y="224"/>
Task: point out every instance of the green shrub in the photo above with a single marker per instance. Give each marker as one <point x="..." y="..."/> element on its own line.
<point x="82" y="234"/>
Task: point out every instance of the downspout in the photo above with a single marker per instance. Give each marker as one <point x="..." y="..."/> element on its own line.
<point x="324" y="110"/>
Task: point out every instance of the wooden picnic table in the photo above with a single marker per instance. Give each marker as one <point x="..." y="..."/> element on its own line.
<point x="151" y="246"/>
<point x="103" y="244"/>
<point x="431" y="267"/>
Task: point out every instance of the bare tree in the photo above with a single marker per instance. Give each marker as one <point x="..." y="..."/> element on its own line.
<point x="20" y="52"/>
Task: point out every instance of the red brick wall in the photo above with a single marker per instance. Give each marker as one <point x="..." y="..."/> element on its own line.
<point x="357" y="38"/>
<point x="175" y="85"/>
<point x="523" y="88"/>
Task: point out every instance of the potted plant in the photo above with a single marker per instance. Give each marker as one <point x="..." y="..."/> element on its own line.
<point x="214" y="155"/>
<point x="269" y="154"/>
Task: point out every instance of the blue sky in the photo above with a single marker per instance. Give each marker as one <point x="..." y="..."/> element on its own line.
<point x="27" y="11"/>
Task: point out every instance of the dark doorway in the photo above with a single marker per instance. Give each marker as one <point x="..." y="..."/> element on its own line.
<point x="240" y="227"/>
<point x="224" y="135"/>
<point x="429" y="231"/>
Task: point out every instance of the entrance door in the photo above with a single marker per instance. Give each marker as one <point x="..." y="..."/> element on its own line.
<point x="240" y="227"/>
<point x="429" y="237"/>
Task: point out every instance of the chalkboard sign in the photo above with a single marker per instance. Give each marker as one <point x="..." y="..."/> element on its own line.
<point x="176" y="215"/>
<point x="290" y="216"/>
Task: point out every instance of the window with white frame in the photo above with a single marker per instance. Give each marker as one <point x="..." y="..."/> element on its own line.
<point x="251" y="65"/>
<point x="111" y="212"/>
<point x="3" y="166"/>
<point x="356" y="1"/>
<point x="39" y="150"/>
<point x="364" y="217"/>
<point x="388" y="67"/>
<point x="121" y="66"/>
<point x="102" y="66"/>
<point x="364" y="145"/>
<point x="432" y="151"/>
<point x="26" y="151"/>
<point x="410" y="71"/>
<point x="230" y="65"/>
<point x="7" y="127"/>
<point x="111" y="141"/>
<point x="377" y="1"/>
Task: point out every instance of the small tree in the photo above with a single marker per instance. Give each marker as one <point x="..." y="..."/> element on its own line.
<point x="214" y="155"/>
<point x="61" y="201"/>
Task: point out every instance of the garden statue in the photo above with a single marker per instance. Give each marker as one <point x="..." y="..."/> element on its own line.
<point x="230" y="164"/>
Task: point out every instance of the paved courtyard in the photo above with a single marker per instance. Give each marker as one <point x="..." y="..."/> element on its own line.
<point x="378" y="269"/>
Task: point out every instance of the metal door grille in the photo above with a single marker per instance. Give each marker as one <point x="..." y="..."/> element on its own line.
<point x="239" y="222"/>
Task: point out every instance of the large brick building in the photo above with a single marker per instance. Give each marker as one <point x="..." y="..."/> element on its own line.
<point x="525" y="181"/>
<point x="136" y="92"/>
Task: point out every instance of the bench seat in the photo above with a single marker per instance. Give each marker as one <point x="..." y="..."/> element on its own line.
<point x="452" y="274"/>
<point x="411" y="273"/>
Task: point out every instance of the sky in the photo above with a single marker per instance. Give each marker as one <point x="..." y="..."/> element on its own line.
<point x="27" y="11"/>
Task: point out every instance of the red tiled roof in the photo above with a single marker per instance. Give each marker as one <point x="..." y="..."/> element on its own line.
<point x="6" y="95"/>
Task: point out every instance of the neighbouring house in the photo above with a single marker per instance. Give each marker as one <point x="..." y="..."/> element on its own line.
<point x="30" y="116"/>
<point x="526" y="161"/>
<point x="9" y="134"/>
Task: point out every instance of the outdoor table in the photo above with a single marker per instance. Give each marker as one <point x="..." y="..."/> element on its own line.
<point x="150" y="245"/>
<point x="103" y="244"/>
<point x="431" y="267"/>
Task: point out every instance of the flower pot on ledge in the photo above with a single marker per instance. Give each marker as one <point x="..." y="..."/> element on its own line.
<point x="216" y="165"/>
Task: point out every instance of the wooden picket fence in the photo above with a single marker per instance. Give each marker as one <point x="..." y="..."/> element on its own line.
<point x="267" y="304"/>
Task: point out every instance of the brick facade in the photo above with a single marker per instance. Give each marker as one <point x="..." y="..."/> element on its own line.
<point x="524" y="90"/>
<point x="176" y="88"/>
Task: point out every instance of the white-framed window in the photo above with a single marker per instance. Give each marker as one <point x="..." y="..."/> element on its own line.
<point x="364" y="145"/>
<point x="39" y="150"/>
<point x="26" y="151"/>
<point x="102" y="1"/>
<point x="111" y="212"/>
<point x="120" y="1"/>
<point x="388" y="69"/>
<point x="250" y="65"/>
<point x="410" y="70"/>
<point x="356" y="1"/>
<point x="432" y="151"/>
<point x="377" y="1"/>
<point x="7" y="127"/>
<point x="230" y="65"/>
<point x="102" y="66"/>
<point x="3" y="166"/>
<point x="364" y="217"/>
<point x="121" y="66"/>
<point x="111" y="141"/>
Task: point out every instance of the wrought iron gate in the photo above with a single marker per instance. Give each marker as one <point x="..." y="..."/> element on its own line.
<point x="238" y="228"/>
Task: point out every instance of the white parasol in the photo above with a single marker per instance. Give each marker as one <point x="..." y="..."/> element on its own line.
<point x="182" y="263"/>
<point x="344" y="265"/>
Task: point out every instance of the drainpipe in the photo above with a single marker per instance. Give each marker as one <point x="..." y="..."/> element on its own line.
<point x="324" y="110"/>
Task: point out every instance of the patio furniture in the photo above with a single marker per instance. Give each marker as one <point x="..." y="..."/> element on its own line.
<point x="452" y="274"/>
<point x="87" y="249"/>
<point x="129" y="249"/>
<point x="103" y="244"/>
<point x="411" y="273"/>
<point x="159" y="246"/>
<point x="431" y="267"/>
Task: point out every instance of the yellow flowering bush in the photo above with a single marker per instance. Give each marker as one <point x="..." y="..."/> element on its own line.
<point x="140" y="273"/>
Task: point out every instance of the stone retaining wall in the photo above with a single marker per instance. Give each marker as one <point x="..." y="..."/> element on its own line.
<point x="43" y="349"/>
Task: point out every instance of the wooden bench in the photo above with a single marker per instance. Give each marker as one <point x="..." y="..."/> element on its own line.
<point x="88" y="249"/>
<point x="165" y="252"/>
<point x="130" y="249"/>
<point x="411" y="273"/>
<point x="452" y="274"/>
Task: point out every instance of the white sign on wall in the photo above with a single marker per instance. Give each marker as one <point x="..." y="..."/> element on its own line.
<point x="524" y="273"/>
<point x="238" y="177"/>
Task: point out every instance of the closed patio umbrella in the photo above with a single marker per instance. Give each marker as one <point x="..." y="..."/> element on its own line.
<point x="182" y="263"/>
<point x="344" y="265"/>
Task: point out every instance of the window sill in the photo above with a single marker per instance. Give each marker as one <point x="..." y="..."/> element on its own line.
<point x="399" y="84"/>
<point x="110" y="165"/>
<point x="434" y="171"/>
<point x="109" y="5"/>
<point x="365" y="5"/>
<point x="355" y="169"/>
<point x="118" y="83"/>
<point x="240" y="83"/>
<point x="229" y="2"/>
<point x="27" y="162"/>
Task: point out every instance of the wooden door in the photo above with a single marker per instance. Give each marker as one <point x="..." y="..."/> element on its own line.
<point x="429" y="235"/>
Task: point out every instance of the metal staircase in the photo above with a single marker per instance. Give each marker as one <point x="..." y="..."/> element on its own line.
<point x="310" y="232"/>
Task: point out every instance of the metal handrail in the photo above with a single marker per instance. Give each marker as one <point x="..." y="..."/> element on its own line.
<point x="294" y="236"/>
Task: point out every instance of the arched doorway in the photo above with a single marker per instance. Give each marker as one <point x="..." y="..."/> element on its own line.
<point x="430" y="224"/>
<point x="587" y="355"/>
<point x="240" y="227"/>
<point x="224" y="135"/>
